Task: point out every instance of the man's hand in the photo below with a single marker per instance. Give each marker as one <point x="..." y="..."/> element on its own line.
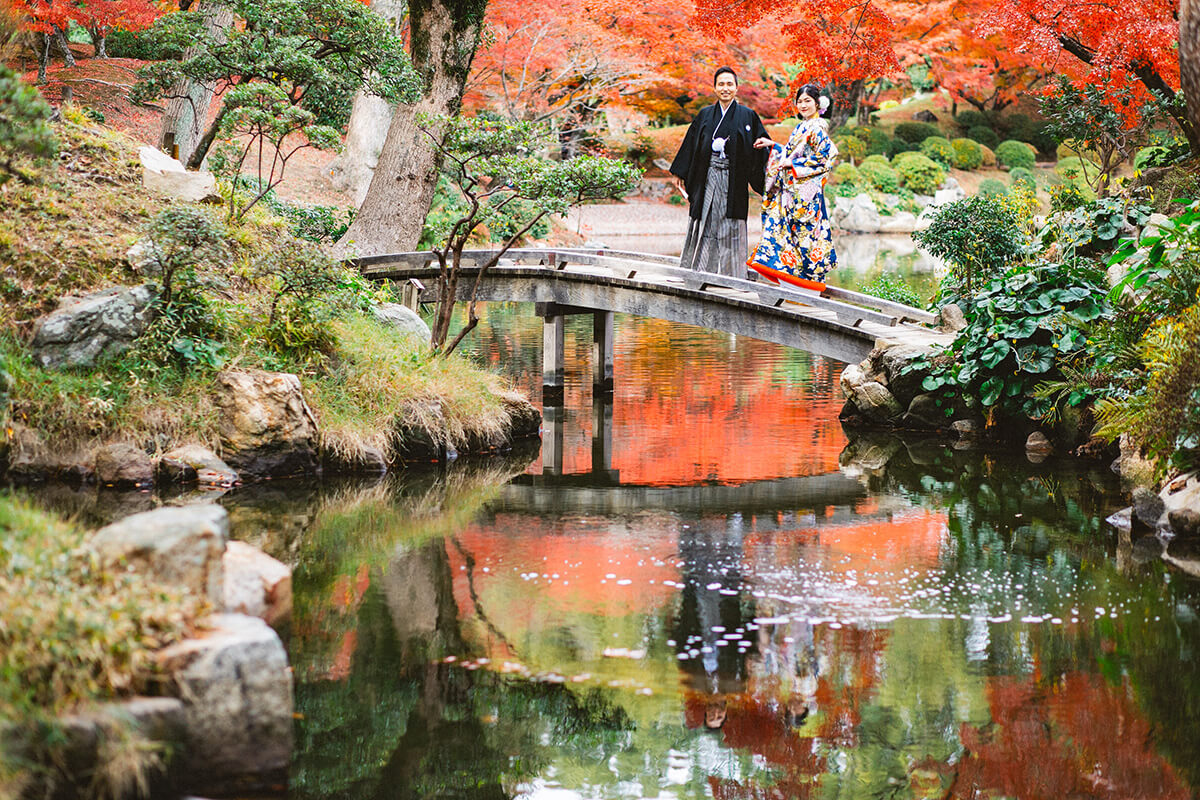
<point x="677" y="182"/>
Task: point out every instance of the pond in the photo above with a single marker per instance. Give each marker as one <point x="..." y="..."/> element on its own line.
<point x="701" y="587"/>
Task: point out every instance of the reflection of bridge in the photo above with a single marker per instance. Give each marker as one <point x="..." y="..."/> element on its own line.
<point x="600" y="492"/>
<point x="837" y="323"/>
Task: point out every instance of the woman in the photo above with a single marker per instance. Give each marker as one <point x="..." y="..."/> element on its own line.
<point x="797" y="236"/>
<point x="713" y="167"/>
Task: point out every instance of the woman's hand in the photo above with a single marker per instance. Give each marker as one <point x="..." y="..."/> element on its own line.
<point x="762" y="142"/>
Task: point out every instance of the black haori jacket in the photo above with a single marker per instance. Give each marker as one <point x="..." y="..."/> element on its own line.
<point x="747" y="165"/>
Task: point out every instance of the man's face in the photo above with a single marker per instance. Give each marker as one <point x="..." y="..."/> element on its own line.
<point x="726" y="87"/>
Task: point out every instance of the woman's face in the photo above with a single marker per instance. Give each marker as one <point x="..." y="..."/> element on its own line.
<point x="807" y="106"/>
<point x="726" y="87"/>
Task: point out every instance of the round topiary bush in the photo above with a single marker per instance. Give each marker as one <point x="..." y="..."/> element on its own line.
<point x="916" y="132"/>
<point x="877" y="140"/>
<point x="875" y="158"/>
<point x="850" y="148"/>
<point x="1012" y="153"/>
<point x="846" y="175"/>
<point x="919" y="174"/>
<point x="990" y="187"/>
<point x="984" y="135"/>
<point x="972" y="119"/>
<point x="938" y="149"/>
<point x="1023" y="177"/>
<point x="989" y="156"/>
<point x="897" y="146"/>
<point x="967" y="154"/>
<point x="881" y="176"/>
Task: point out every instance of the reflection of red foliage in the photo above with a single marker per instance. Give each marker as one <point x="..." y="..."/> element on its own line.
<point x="1089" y="738"/>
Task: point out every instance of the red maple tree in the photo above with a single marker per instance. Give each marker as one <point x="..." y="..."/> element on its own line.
<point x="102" y="17"/>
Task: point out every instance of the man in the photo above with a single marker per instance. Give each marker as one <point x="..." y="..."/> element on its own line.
<point x="716" y="163"/>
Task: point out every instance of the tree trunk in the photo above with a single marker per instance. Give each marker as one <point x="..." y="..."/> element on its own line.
<point x="187" y="111"/>
<point x="444" y="36"/>
<point x="60" y="38"/>
<point x="43" y="58"/>
<point x="369" y="120"/>
<point x="1189" y="64"/>
<point x="100" y="42"/>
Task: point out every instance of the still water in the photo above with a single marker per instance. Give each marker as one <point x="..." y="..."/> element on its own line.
<point x="700" y="587"/>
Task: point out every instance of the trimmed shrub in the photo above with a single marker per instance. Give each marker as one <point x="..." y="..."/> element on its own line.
<point x="897" y="146"/>
<point x="1012" y="153"/>
<point x="1018" y="126"/>
<point x="877" y="141"/>
<point x="938" y="149"/>
<point x="990" y="187"/>
<point x="881" y="176"/>
<point x="967" y="154"/>
<point x="876" y="159"/>
<point x="919" y="174"/>
<point x="989" y="156"/>
<point x="916" y="132"/>
<point x="984" y="135"/>
<point x="846" y="175"/>
<point x="851" y="148"/>
<point x="1023" y="177"/>
<point x="972" y="119"/>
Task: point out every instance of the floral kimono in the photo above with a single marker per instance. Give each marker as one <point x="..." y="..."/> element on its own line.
<point x="797" y="236"/>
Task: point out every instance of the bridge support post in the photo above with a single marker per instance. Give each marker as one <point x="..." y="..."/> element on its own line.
<point x="602" y="351"/>
<point x="553" y="358"/>
<point x="552" y="439"/>
<point x="602" y="423"/>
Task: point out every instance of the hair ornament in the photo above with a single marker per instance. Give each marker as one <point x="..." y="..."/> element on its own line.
<point x="823" y="103"/>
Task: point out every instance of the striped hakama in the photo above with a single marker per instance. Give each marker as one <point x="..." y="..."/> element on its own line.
<point x="714" y="242"/>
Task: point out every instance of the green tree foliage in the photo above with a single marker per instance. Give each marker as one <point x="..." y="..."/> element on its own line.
<point x="260" y="127"/>
<point x="495" y="168"/>
<point x="977" y="236"/>
<point x="888" y="286"/>
<point x="846" y="175"/>
<point x="880" y="175"/>
<point x="310" y="50"/>
<point x="918" y="173"/>
<point x="1012" y="153"/>
<point x="25" y="131"/>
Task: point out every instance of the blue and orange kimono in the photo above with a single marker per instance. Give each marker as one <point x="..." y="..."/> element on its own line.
<point x="797" y="235"/>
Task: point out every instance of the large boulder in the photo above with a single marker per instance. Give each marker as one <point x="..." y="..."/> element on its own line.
<point x="403" y="319"/>
<point x="180" y="547"/>
<point x="875" y="402"/>
<point x="237" y="691"/>
<point x="167" y="178"/>
<point x="82" y="330"/>
<point x="900" y="222"/>
<point x="267" y="429"/>
<point x="192" y="463"/>
<point x="124" y="466"/>
<point x="1181" y="505"/>
<point x="903" y="380"/>
<point x="862" y="217"/>
<point x="256" y="584"/>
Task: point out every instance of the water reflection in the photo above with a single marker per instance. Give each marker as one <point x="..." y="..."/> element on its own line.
<point x="635" y="612"/>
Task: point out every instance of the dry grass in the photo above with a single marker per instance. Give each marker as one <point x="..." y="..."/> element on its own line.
<point x="384" y="378"/>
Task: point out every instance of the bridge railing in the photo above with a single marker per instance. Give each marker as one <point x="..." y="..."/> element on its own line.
<point x="850" y="307"/>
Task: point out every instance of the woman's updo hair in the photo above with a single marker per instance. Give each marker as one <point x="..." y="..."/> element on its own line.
<point x="814" y="91"/>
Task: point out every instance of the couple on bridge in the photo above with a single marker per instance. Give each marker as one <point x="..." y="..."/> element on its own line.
<point x="726" y="149"/>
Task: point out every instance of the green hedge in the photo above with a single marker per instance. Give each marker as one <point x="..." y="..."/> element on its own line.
<point x="984" y="135"/>
<point x="846" y="175"/>
<point x="967" y="154"/>
<point x="916" y="132"/>
<point x="938" y="149"/>
<point x="880" y="175"/>
<point x="1012" y="153"/>
<point x="919" y="174"/>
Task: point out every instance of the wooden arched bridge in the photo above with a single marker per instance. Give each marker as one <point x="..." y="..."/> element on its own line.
<point x="836" y="323"/>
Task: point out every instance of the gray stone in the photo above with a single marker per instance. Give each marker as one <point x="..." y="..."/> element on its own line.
<point x="145" y="258"/>
<point x="237" y="692"/>
<point x="1184" y="522"/>
<point x="124" y="466"/>
<point x="924" y="412"/>
<point x="876" y="402"/>
<point x="902" y="382"/>
<point x="863" y="217"/>
<point x="945" y="196"/>
<point x="1038" y="444"/>
<point x="1148" y="507"/>
<point x="1132" y="467"/>
<point x="82" y="330"/>
<point x="416" y="433"/>
<point x="925" y="115"/>
<point x="267" y="429"/>
<point x="900" y="222"/>
<point x="1181" y="494"/>
<point x="167" y="178"/>
<point x="364" y="460"/>
<point x="965" y="428"/>
<point x="207" y="466"/>
<point x="402" y="318"/>
<point x="256" y="584"/>
<point x="852" y="376"/>
<point x="951" y="318"/>
<point x="1121" y="520"/>
<point x="180" y="547"/>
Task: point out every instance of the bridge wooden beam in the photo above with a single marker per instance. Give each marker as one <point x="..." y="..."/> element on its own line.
<point x="602" y="352"/>
<point x="553" y="359"/>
